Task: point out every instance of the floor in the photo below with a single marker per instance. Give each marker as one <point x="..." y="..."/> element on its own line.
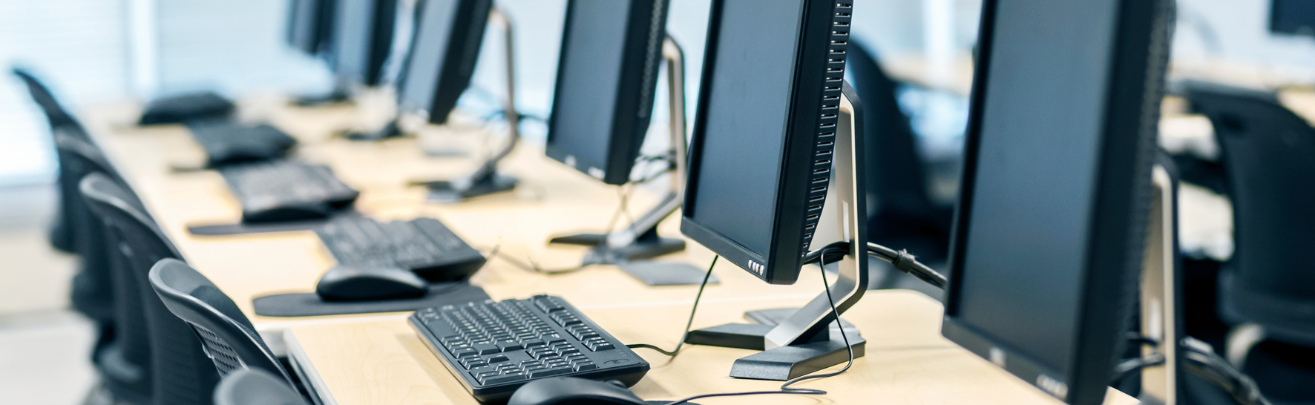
<point x="44" y="347"/>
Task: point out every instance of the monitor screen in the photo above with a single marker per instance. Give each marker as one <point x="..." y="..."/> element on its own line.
<point x="442" y="58"/>
<point x="1039" y="173"/>
<point x="1292" y="17"/>
<point x="428" y="49"/>
<point x="362" y="38"/>
<point x="765" y="127"/>
<point x="748" y="104"/>
<point x="605" y="78"/>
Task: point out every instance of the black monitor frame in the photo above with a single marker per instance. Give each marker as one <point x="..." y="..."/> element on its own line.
<point x="460" y="55"/>
<point x="368" y="71"/>
<point x="1282" y="21"/>
<point x="1118" y="227"/>
<point x="809" y="138"/>
<point x="645" y="29"/>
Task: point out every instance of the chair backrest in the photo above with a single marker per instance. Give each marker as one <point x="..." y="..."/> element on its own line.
<point x="93" y="292"/>
<point x="895" y="176"/>
<point x="256" y="387"/>
<point x="1268" y="154"/>
<point x="54" y="111"/>
<point x="227" y="335"/>
<point x="181" y="373"/>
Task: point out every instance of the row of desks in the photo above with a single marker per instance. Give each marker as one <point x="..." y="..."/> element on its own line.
<point x="377" y="359"/>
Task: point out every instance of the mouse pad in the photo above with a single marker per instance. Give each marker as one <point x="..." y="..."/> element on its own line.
<point x="244" y="228"/>
<point x="309" y="304"/>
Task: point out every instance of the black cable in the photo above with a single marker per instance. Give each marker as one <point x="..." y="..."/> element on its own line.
<point x="1127" y="367"/>
<point x="905" y="262"/>
<point x="1219" y="371"/>
<point x="818" y="257"/>
<point x="689" y="324"/>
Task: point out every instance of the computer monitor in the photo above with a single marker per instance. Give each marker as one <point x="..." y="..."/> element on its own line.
<point x="442" y="57"/>
<point x="606" y="77"/>
<point x="1051" y="222"/>
<point x="760" y="158"/>
<point x="362" y="39"/>
<point x="310" y="24"/>
<point x="1292" y="17"/>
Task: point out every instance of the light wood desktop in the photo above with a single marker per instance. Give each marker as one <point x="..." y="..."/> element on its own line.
<point x="552" y="199"/>
<point x="907" y="361"/>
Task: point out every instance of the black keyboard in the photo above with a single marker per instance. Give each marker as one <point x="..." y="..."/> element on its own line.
<point x="424" y="245"/>
<point x="493" y="348"/>
<point x="186" y="107"/>
<point x="227" y="142"/>
<point x="286" y="191"/>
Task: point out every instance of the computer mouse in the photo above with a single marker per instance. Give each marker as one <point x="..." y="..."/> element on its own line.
<point x="574" y="391"/>
<point x="359" y="283"/>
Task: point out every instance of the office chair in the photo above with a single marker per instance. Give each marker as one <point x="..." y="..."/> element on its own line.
<point x="900" y="210"/>
<point x="61" y="232"/>
<point x="227" y="334"/>
<point x="255" y="387"/>
<point x="180" y="372"/>
<point x="1269" y="157"/>
<point x="121" y="355"/>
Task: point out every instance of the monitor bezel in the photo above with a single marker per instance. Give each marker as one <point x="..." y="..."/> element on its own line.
<point x="1122" y="192"/>
<point x="383" y="21"/>
<point x="799" y="199"/>
<point x="635" y="92"/>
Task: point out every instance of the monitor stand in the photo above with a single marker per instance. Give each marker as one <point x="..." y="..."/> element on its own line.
<point x="1160" y="299"/>
<point x="339" y="94"/>
<point x="485" y="179"/>
<point x="640" y="240"/>
<point x="805" y="341"/>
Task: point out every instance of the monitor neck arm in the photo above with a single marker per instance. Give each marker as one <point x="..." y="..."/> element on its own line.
<point x="675" y="60"/>
<point x="488" y="169"/>
<point x="1159" y="300"/>
<point x="813" y="320"/>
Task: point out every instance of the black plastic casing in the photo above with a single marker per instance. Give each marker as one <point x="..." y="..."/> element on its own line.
<point x="644" y="35"/>
<point x="1115" y="244"/>
<point x="809" y="140"/>
<point x="472" y="18"/>
<point x="368" y="70"/>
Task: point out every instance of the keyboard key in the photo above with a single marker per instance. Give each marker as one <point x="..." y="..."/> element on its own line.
<point x="498" y="359"/>
<point x="585" y="366"/>
<point x="505" y="378"/>
<point x="486" y="348"/>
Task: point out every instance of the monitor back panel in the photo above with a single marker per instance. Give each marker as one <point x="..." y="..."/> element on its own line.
<point x="606" y="75"/>
<point x="764" y="131"/>
<point x="442" y="57"/>
<point x="1050" y="227"/>
<point x="1292" y="17"/>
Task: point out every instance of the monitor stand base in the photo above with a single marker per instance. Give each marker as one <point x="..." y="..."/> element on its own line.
<point x="450" y="192"/>
<point x="782" y="363"/>
<point x="777" y="316"/>
<point x="629" y="258"/>
<point x="389" y="130"/>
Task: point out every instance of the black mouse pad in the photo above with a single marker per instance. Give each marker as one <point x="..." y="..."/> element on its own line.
<point x="309" y="304"/>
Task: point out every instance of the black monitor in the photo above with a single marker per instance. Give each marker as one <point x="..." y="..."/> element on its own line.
<point x="1292" y="17"/>
<point x="362" y="39"/>
<point x="310" y="25"/>
<point x="606" y="76"/>
<point x="759" y="161"/>
<point x="1051" y="222"/>
<point x="442" y="57"/>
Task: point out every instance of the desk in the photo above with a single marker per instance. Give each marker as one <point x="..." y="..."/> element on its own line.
<point x="553" y="199"/>
<point x="907" y="360"/>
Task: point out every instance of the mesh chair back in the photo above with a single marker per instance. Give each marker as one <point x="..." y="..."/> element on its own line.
<point x="226" y="333"/>
<point x="181" y="373"/>
<point x="1269" y="156"/>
